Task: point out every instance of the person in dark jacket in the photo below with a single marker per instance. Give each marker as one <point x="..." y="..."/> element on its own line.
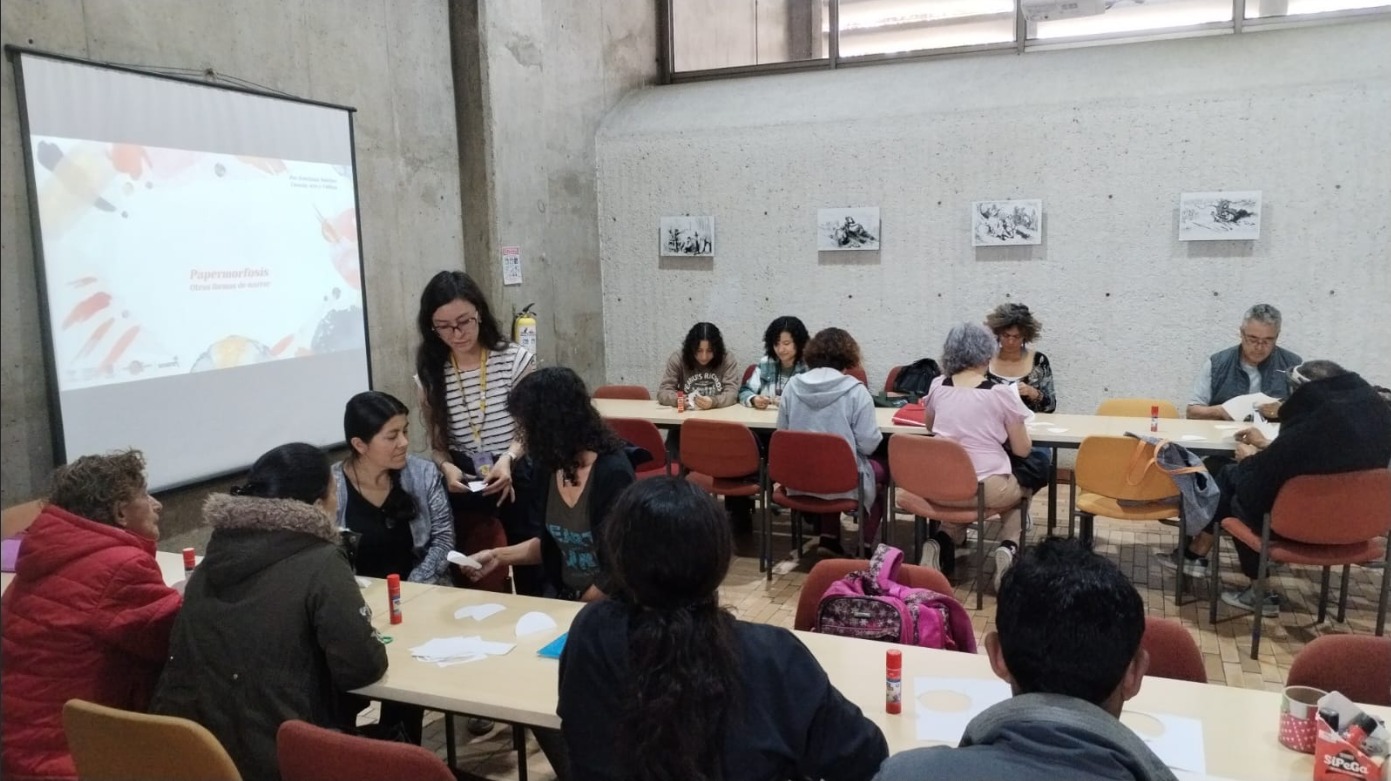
<point x="273" y="626"/>
<point x="1067" y="641"/>
<point x="660" y="682"/>
<point x="88" y="615"/>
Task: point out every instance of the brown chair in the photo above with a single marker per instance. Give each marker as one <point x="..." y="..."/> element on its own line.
<point x="1173" y="652"/>
<point x="929" y="470"/>
<point x="310" y="753"/>
<point x="19" y="518"/>
<point x="828" y="571"/>
<point x="1319" y="521"/>
<point x="109" y="744"/>
<point x="1114" y="477"/>
<point x="858" y="372"/>
<point x="889" y="380"/>
<point x="723" y="458"/>
<point x="1355" y="665"/>
<point x="810" y="462"/>
<point x="633" y="392"/>
<point x="1136" y="408"/>
<point x="642" y="433"/>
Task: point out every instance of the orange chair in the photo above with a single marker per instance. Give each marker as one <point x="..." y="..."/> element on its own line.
<point x="109" y="744"/>
<point x="634" y="392"/>
<point x="828" y="571"/>
<point x="930" y="470"/>
<point x="889" y="380"/>
<point x="19" y="517"/>
<point x="811" y="462"/>
<point x="1173" y="652"/>
<point x="1136" y="408"/>
<point x="310" y="753"/>
<point x="723" y="458"/>
<point x="1356" y="665"/>
<point x="643" y="434"/>
<point x="1320" y="521"/>
<point x="858" y="372"/>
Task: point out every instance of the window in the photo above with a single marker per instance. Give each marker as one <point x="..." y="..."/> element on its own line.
<point x="1128" y="16"/>
<point x="890" y="26"/>
<point x="710" y="34"/>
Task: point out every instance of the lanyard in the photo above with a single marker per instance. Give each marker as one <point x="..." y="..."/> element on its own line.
<point x="482" y="395"/>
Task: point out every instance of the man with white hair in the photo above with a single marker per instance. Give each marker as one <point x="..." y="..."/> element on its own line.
<point x="1256" y="365"/>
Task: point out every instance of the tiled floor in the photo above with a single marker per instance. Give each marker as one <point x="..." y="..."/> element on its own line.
<point x="1226" y="647"/>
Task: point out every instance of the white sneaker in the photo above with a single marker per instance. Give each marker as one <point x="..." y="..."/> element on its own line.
<point x="849" y="524"/>
<point x="932" y="555"/>
<point x="1003" y="558"/>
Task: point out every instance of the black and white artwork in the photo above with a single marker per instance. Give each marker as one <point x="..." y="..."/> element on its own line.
<point x="688" y="236"/>
<point x="1006" y="223"/>
<point x="1228" y="216"/>
<point x="851" y="228"/>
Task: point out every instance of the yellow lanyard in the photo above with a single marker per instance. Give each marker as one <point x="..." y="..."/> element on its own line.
<point x="482" y="395"/>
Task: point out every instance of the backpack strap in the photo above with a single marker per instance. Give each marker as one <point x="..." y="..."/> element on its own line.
<point x="1181" y="470"/>
<point x="883" y="567"/>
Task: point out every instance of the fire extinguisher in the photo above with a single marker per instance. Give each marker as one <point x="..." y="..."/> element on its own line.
<point x="524" y="328"/>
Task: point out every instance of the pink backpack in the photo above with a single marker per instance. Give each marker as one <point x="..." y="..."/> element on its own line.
<point x="873" y="605"/>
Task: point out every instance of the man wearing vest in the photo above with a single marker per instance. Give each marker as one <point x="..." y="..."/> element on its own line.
<point x="1256" y="365"/>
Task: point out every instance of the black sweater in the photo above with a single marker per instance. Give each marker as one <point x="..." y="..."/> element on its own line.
<point x="792" y="723"/>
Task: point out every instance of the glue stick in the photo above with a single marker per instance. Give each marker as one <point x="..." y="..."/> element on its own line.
<point x="393" y="593"/>
<point x="893" y="681"/>
<point x="680" y="402"/>
<point x="190" y="561"/>
<point x="1154" y="417"/>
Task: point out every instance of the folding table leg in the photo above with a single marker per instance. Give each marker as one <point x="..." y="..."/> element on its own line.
<point x="1052" y="490"/>
<point x="519" y="745"/>
<point x="450" y="751"/>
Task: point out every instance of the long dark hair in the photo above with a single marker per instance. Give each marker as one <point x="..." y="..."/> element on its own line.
<point x="703" y="332"/>
<point x="363" y="418"/>
<point x="445" y="288"/>
<point x="295" y="471"/>
<point x="793" y="327"/>
<point x="669" y="547"/>
<point x="552" y="410"/>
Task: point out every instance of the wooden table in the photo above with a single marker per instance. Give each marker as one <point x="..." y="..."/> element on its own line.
<point x="1239" y="725"/>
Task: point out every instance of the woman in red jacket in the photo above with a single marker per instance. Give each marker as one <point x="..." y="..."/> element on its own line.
<point x="88" y="614"/>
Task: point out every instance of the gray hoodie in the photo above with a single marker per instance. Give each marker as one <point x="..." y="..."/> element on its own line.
<point x="829" y="402"/>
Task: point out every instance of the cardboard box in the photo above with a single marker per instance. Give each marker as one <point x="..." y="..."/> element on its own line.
<point x="1335" y="758"/>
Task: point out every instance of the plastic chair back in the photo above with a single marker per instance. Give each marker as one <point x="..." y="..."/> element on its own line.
<point x="310" y="753"/>
<point x="19" y="517"/>
<point x="643" y="434"/>
<point x="913" y="576"/>
<point x="109" y="744"/>
<point x="1173" y="652"/>
<point x="753" y="367"/>
<point x="634" y="392"/>
<point x="1135" y="408"/>
<point x="719" y="449"/>
<point x="858" y="372"/>
<point x="1115" y="467"/>
<point x="935" y="468"/>
<point x="1336" y="509"/>
<point x="889" y="380"/>
<point x="1359" y="666"/>
<point x="813" y="463"/>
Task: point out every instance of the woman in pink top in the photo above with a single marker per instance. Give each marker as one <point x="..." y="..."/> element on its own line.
<point x="985" y="417"/>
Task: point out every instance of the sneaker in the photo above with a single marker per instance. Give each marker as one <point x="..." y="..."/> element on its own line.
<point x="1004" y="556"/>
<point x="479" y="727"/>
<point x="849" y="524"/>
<point x="1245" y="600"/>
<point x="1193" y="568"/>
<point x="932" y="555"/>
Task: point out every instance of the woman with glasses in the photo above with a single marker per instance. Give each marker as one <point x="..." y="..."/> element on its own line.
<point x="1017" y="362"/>
<point x="466" y="369"/>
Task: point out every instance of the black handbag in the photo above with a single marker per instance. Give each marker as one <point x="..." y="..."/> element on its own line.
<point x="1032" y="470"/>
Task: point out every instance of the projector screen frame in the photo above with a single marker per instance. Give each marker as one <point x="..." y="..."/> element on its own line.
<point x="15" y="54"/>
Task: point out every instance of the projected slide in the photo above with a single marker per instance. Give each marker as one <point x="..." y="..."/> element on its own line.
<point x="163" y="261"/>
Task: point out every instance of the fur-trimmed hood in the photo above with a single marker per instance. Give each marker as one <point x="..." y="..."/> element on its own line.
<point x="251" y="534"/>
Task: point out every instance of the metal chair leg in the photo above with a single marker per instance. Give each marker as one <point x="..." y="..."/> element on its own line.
<point x="1258" y="590"/>
<point x="451" y="752"/>
<point x="1343" y="595"/>
<point x="1179" y="574"/>
<point x="1385" y="590"/>
<point x="1323" y="595"/>
<point x="919" y="537"/>
<point x="1215" y="561"/>
<point x="980" y="546"/>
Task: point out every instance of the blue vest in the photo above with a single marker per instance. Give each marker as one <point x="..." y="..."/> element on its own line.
<point x="1229" y="380"/>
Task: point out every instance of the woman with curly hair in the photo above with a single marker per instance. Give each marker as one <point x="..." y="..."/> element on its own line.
<point x="702" y="369"/>
<point x="1016" y="361"/>
<point x="88" y="614"/>
<point x="581" y="467"/>
<point x="661" y="683"/>
<point x="783" y="344"/>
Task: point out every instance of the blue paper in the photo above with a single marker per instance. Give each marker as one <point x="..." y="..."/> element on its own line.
<point x="552" y="649"/>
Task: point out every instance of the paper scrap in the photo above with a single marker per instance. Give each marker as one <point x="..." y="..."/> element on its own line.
<point x="534" y="622"/>
<point x="1177" y="740"/>
<point x="363" y="582"/>
<point x="456" y="649"/>
<point x="1056" y="430"/>
<point x="1226" y="426"/>
<point x="476" y="485"/>
<point x="944" y="706"/>
<point x="463" y="560"/>
<point x="1192" y="438"/>
<point x="478" y="612"/>
<point x="1242" y="407"/>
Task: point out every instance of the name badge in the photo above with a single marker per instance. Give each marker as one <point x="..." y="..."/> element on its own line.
<point x="482" y="463"/>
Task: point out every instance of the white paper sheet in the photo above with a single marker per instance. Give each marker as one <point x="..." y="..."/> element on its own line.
<point x="534" y="622"/>
<point x="476" y="485"/>
<point x="478" y="612"/>
<point x="1192" y="438"/>
<point x="463" y="560"/>
<point x="458" y="649"/>
<point x="944" y="706"/>
<point x="1240" y="408"/>
<point x="1178" y="740"/>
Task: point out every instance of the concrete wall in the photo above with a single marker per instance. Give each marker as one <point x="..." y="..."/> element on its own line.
<point x="535" y="79"/>
<point x="1108" y="137"/>
<point x="388" y="58"/>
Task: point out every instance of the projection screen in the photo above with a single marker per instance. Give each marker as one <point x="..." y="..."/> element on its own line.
<point x="200" y="274"/>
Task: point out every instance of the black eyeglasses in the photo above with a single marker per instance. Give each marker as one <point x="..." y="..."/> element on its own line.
<point x="458" y="326"/>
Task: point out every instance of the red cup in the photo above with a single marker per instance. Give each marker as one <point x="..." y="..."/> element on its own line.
<point x="1299" y="711"/>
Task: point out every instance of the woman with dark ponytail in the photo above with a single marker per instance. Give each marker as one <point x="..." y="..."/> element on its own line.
<point x="660" y="683"/>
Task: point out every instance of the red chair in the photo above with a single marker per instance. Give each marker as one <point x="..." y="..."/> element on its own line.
<point x="643" y="434"/>
<point x="1173" y="652"/>
<point x="1356" y="665"/>
<point x="810" y="462"/>
<point x="723" y="459"/>
<point x="310" y="753"/>
<point x="753" y="367"/>
<point x="893" y="377"/>
<point x="828" y="571"/>
<point x="858" y="372"/>
<point x="1320" y="521"/>
<point x="634" y="392"/>
<point x="931" y="470"/>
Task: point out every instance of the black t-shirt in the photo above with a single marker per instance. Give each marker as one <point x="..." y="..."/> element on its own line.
<point x="386" y="546"/>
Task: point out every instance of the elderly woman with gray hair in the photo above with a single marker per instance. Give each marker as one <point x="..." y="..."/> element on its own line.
<point x="985" y="417"/>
